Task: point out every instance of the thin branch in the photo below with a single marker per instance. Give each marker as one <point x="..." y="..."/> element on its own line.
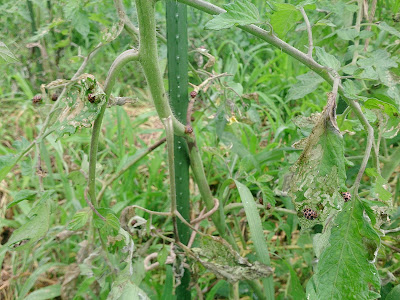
<point x="151" y="212"/>
<point x="115" y="176"/>
<point x="128" y="25"/>
<point x="117" y="65"/>
<point x="391" y="230"/>
<point x="169" y="130"/>
<point x="309" y="32"/>
<point x="391" y="246"/>
<point x="367" y="153"/>
<point x="232" y="206"/>
<point x="197" y="225"/>
<point x="90" y="204"/>
<point x="370" y="19"/>
<point x="207" y="214"/>
<point x="357" y="27"/>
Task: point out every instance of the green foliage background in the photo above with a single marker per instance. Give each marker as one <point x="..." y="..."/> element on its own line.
<point x="245" y="124"/>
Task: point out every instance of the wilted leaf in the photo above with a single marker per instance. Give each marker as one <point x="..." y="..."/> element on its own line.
<point x="284" y="18"/>
<point x="68" y="287"/>
<point x="346" y="267"/>
<point x="240" y="12"/>
<point x="307" y="83"/>
<point x="319" y="175"/>
<point x="6" y="55"/>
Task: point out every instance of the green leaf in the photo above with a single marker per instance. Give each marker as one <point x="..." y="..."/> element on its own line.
<point x="240" y="12"/>
<point x="380" y="182"/>
<point x="162" y="255"/>
<point x="80" y="219"/>
<point x="380" y="62"/>
<point x="112" y="221"/>
<point x="6" y="55"/>
<point x="346" y="266"/>
<point x="319" y="175"/>
<point x="295" y="290"/>
<point x="394" y="293"/>
<point x="74" y="12"/>
<point x="21" y="196"/>
<point x="348" y="34"/>
<point x="388" y="108"/>
<point x="168" y="291"/>
<point x="384" y="26"/>
<point x="284" y="18"/>
<point x="33" y="230"/>
<point x="256" y="231"/>
<point x="124" y="289"/>
<point x="30" y="282"/>
<point x="306" y="84"/>
<point x="48" y="292"/>
<point x="326" y="59"/>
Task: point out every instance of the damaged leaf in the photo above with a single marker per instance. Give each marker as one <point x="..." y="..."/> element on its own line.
<point x="83" y="101"/>
<point x="347" y="265"/>
<point x="218" y="256"/>
<point x="318" y="176"/>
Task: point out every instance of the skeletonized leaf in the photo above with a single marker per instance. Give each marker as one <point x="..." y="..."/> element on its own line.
<point x="83" y="103"/>
<point x="240" y="12"/>
<point x="218" y="256"/>
<point x="319" y="175"/>
<point x="346" y="267"/>
<point x="6" y="55"/>
<point x="284" y="18"/>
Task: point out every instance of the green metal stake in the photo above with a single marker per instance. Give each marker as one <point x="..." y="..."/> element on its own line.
<point x="177" y="44"/>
